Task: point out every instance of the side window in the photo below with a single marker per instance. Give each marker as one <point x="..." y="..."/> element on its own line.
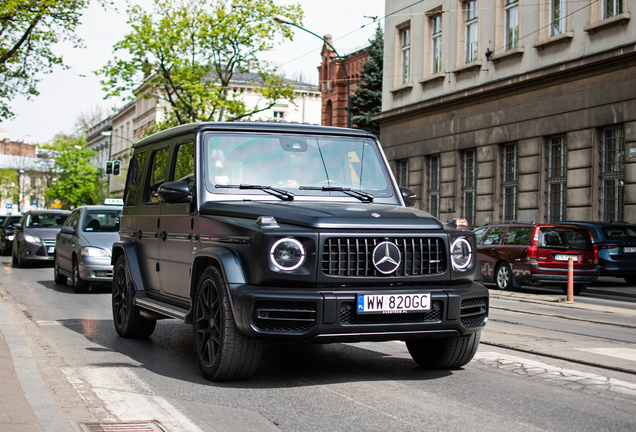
<point x="157" y="174"/>
<point x="551" y="238"/>
<point x="133" y="181"/>
<point x="480" y="233"/>
<point x="184" y="165"/>
<point x="518" y="236"/>
<point x="73" y="219"/>
<point x="494" y="235"/>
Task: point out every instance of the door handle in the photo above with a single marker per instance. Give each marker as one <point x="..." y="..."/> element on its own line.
<point x="163" y="235"/>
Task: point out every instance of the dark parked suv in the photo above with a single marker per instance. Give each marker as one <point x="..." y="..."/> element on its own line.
<point x="513" y="253"/>
<point x="258" y="232"/>
<point x="616" y="244"/>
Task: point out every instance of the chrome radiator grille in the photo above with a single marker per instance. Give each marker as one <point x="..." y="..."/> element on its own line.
<point x="353" y="256"/>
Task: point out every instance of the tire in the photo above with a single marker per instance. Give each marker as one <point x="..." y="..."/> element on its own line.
<point x="222" y="351"/>
<point x="80" y="286"/>
<point x="578" y="288"/>
<point x="14" y="259"/>
<point x="20" y="263"/>
<point x="128" y="321"/>
<point x="444" y="353"/>
<point x="59" y="278"/>
<point x="503" y="277"/>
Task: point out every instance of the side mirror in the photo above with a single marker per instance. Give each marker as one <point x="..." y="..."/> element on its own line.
<point x="17" y="226"/>
<point x="174" y="192"/>
<point x="67" y="230"/>
<point x="409" y="197"/>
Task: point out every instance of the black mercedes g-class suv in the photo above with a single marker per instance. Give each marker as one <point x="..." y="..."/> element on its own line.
<point x="256" y="232"/>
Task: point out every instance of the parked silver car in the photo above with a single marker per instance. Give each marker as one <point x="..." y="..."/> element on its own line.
<point x="34" y="236"/>
<point x="84" y="244"/>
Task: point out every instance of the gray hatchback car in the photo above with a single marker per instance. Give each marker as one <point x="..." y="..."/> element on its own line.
<point x="34" y="239"/>
<point x="84" y="245"/>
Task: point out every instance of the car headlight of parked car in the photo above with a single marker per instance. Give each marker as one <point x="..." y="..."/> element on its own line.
<point x="287" y="254"/>
<point x="32" y="239"/>
<point x="461" y="253"/>
<point x="95" y="252"/>
<point x="9" y="237"/>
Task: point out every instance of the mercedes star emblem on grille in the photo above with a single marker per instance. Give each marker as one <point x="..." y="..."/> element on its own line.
<point x="386" y="257"/>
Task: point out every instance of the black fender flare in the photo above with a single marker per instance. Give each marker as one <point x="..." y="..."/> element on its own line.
<point x="230" y="266"/>
<point x="128" y="249"/>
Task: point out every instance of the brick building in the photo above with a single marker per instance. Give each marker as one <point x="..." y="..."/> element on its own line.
<point x="333" y="83"/>
<point x="510" y="110"/>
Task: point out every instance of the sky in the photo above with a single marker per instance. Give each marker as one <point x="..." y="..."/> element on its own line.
<point x="65" y="94"/>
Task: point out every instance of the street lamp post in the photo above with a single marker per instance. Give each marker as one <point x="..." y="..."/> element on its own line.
<point x="283" y="21"/>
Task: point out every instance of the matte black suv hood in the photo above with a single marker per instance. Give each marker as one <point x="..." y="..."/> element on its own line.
<point x="327" y="215"/>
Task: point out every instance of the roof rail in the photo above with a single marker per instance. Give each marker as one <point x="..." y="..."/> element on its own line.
<point x="510" y="221"/>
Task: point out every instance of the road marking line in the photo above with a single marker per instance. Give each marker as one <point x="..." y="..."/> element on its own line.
<point x="574" y="379"/>
<point x="621" y="353"/>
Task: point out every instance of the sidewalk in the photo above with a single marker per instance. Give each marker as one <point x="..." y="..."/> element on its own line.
<point x="26" y="403"/>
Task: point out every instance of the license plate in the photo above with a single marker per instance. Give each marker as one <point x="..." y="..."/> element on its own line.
<point x="393" y="303"/>
<point x="51" y="249"/>
<point x="561" y="257"/>
<point x="630" y="249"/>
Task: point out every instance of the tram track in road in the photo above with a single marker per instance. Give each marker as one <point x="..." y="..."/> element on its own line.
<point x="562" y="317"/>
<point x="557" y="357"/>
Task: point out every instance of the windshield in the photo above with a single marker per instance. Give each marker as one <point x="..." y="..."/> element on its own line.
<point x="292" y="162"/>
<point x="101" y="221"/>
<point x="13" y="220"/>
<point x="45" y="220"/>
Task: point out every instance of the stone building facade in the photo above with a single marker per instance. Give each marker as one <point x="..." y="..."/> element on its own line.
<point x="333" y="82"/>
<point x="500" y="110"/>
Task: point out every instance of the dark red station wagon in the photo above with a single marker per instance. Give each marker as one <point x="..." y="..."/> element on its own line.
<point x="513" y="253"/>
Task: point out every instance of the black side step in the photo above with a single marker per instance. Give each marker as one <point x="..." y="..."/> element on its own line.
<point x="162" y="308"/>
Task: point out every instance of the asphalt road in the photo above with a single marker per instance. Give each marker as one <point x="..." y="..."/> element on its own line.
<point x="543" y="365"/>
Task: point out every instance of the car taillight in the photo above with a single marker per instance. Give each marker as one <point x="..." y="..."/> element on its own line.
<point x="534" y="245"/>
<point x="596" y="248"/>
<point x="605" y="246"/>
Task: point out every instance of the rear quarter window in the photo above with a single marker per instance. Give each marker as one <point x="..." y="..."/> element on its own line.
<point x="618" y="232"/>
<point x="518" y="236"/>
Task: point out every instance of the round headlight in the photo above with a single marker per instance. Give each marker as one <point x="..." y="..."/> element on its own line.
<point x="287" y="254"/>
<point x="461" y="253"/>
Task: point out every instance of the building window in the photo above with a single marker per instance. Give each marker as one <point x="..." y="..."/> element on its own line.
<point x="509" y="181"/>
<point x="472" y="31"/>
<point x="558" y="13"/>
<point x="402" y="172"/>
<point x="612" y="172"/>
<point x="405" y="65"/>
<point x="436" y="44"/>
<point x="469" y="185"/>
<point x="612" y="8"/>
<point x="512" y="24"/>
<point x="557" y="158"/>
<point x="433" y="185"/>
<point x="279" y="115"/>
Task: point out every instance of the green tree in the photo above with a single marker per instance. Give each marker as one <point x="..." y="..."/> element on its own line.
<point x="28" y="31"/>
<point x="9" y="184"/>
<point x="77" y="179"/>
<point x="366" y="100"/>
<point x="186" y="52"/>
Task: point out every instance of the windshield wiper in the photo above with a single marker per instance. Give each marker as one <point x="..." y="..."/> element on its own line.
<point x="278" y="193"/>
<point x="362" y="196"/>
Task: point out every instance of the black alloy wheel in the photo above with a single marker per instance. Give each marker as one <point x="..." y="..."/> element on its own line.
<point x="59" y="278"/>
<point x="128" y="321"/>
<point x="222" y="351"/>
<point x="79" y="285"/>
<point x="503" y="276"/>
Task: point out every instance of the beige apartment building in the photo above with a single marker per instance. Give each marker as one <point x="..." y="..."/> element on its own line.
<point x="512" y="109"/>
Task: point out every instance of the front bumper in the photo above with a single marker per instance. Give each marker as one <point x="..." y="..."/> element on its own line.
<point x="96" y="269"/>
<point x="37" y="252"/>
<point x="316" y="316"/>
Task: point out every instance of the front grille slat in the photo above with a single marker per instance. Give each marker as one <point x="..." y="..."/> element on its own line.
<point x="349" y="256"/>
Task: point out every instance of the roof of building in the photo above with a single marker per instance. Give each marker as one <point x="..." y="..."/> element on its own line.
<point x="26" y="163"/>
